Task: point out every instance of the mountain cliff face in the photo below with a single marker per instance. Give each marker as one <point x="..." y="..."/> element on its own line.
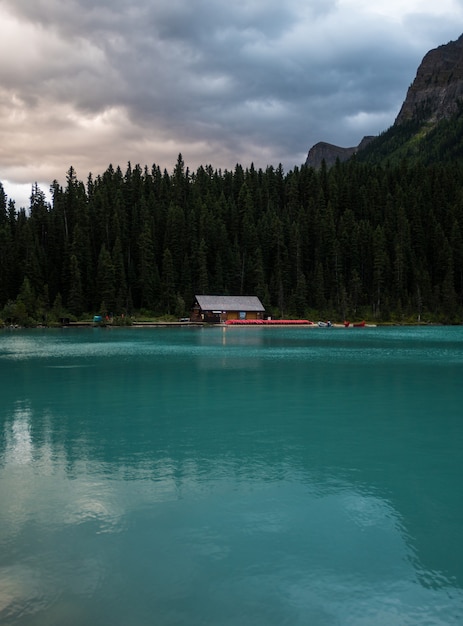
<point x="436" y="94"/>
<point x="329" y="153"/>
<point x="438" y="86"/>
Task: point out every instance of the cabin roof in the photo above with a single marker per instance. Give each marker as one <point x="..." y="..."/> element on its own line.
<point x="230" y="303"/>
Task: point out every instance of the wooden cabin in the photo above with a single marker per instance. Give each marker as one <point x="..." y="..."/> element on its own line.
<point x="219" y="309"/>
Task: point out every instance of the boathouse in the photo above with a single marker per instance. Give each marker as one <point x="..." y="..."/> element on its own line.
<point x="220" y="309"/>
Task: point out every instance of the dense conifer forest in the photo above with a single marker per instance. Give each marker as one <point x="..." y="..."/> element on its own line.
<point x="358" y="241"/>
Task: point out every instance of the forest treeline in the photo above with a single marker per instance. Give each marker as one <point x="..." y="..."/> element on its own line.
<point x="355" y="241"/>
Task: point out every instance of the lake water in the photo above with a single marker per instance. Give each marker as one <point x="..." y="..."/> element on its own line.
<point x="231" y="477"/>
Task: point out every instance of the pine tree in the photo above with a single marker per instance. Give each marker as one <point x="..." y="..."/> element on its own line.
<point x="76" y="296"/>
<point x="169" y="299"/>
<point x="380" y="259"/>
<point x="26" y="302"/>
<point x="148" y="275"/>
<point x="121" y="297"/>
<point x="203" y="277"/>
<point x="105" y="281"/>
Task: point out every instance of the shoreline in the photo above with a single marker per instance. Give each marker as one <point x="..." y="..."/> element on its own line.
<point x="199" y="324"/>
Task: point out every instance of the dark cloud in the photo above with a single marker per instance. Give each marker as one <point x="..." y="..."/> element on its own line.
<point x="92" y="82"/>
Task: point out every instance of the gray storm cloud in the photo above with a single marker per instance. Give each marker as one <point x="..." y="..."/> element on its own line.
<point x="87" y="83"/>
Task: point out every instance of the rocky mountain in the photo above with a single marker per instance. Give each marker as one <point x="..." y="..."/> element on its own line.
<point x="329" y="153"/>
<point x="435" y="96"/>
<point x="438" y="87"/>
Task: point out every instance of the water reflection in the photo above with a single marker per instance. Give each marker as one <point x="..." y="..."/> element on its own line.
<point x="202" y="491"/>
<point x="18" y="441"/>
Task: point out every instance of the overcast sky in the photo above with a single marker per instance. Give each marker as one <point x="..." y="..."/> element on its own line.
<point x="90" y="83"/>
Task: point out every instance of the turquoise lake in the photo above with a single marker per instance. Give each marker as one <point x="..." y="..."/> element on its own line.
<point x="231" y="476"/>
